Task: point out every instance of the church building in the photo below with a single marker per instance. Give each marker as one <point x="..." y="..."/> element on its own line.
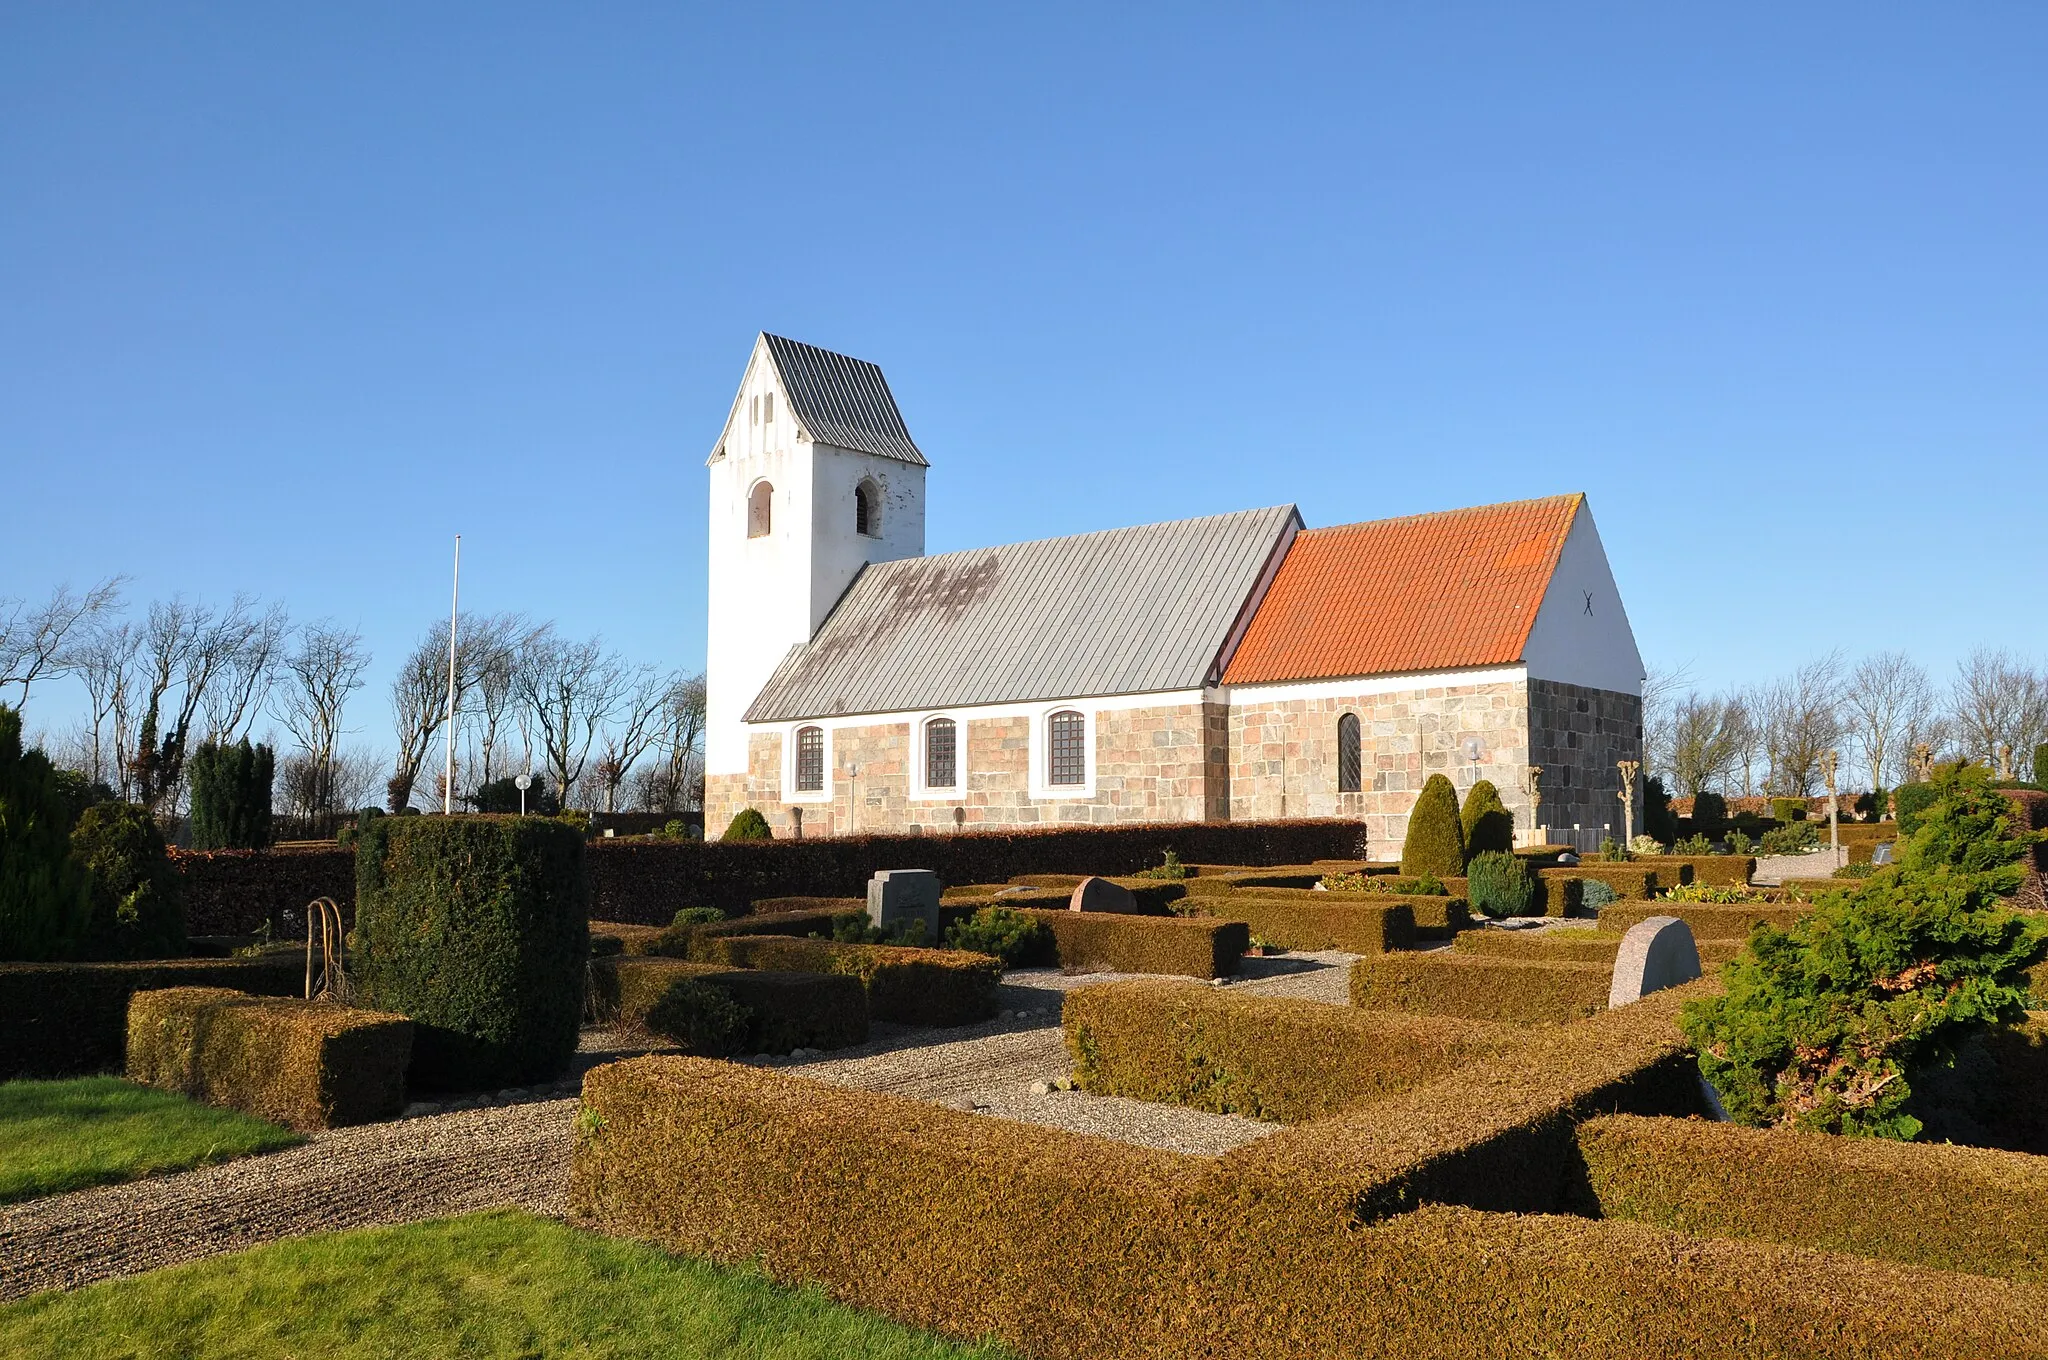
<point x="1230" y="667"/>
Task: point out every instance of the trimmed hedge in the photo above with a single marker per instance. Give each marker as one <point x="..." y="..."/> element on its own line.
<point x="1719" y="871"/>
<point x="67" y="1019"/>
<point x="1708" y="922"/>
<point x="784" y="1010"/>
<point x="303" y="1064"/>
<point x="1065" y="1246"/>
<point x="1358" y="923"/>
<point x="477" y="928"/>
<point x="940" y="987"/>
<point x="1631" y="882"/>
<point x="1116" y="942"/>
<point x="1272" y="1058"/>
<point x="610" y="938"/>
<point x="1479" y="987"/>
<point x="1580" y="946"/>
<point x="1923" y="1204"/>
<point x="238" y="892"/>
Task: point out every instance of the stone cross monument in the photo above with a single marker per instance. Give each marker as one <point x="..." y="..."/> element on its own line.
<point x="1629" y="770"/>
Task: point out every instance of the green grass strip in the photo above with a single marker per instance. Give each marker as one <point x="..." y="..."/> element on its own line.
<point x="498" y="1284"/>
<point x="66" y="1135"/>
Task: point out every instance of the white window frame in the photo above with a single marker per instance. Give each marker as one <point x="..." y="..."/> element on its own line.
<point x="790" y="792"/>
<point x="1041" y="785"/>
<point x="926" y="793"/>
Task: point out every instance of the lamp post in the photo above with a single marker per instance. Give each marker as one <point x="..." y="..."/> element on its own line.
<point x="522" y="783"/>
<point x="1827" y="769"/>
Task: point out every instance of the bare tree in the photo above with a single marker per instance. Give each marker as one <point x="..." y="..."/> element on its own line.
<point x="321" y="672"/>
<point x="1706" y="741"/>
<point x="496" y="657"/>
<point x="102" y="659"/>
<point x="569" y="690"/>
<point x="34" y="638"/>
<point x="637" y="721"/>
<point x="1802" y="722"/>
<point x="185" y="649"/>
<point x="1887" y="698"/>
<point x="419" y="693"/>
<point x="671" y="783"/>
<point x="1997" y="700"/>
<point x="1661" y="689"/>
<point x="250" y="647"/>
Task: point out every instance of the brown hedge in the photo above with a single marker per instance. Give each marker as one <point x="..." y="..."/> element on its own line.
<point x="238" y="892"/>
<point x="1924" y="1204"/>
<point x="1708" y="922"/>
<point x="784" y="1010"/>
<point x="1582" y="946"/>
<point x="906" y="986"/>
<point x="1270" y="1058"/>
<point x="1358" y="923"/>
<point x="63" y="1019"/>
<point x="1116" y="942"/>
<point x="1631" y="882"/>
<point x="303" y="1064"/>
<point x="1478" y="987"/>
<point x="618" y="937"/>
<point x="1720" y="871"/>
<point x="1066" y="1246"/>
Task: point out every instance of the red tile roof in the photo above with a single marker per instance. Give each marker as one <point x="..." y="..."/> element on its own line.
<point x="1429" y="592"/>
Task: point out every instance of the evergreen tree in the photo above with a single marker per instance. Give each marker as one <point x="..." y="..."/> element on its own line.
<point x="231" y="796"/>
<point x="42" y="891"/>
<point x="748" y="825"/>
<point x="1486" y="821"/>
<point x="137" y="897"/>
<point x="1436" y="839"/>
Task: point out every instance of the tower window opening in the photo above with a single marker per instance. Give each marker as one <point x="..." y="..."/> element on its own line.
<point x="760" y="510"/>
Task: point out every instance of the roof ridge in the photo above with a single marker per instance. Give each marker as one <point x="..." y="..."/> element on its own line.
<point x="1091" y="533"/>
<point x="1576" y="496"/>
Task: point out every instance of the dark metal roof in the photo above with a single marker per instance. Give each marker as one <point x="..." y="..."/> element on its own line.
<point x="842" y="401"/>
<point x="1123" y="611"/>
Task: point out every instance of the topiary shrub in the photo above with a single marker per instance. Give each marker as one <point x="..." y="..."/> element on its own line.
<point x="43" y="891"/>
<point x="1010" y="935"/>
<point x="476" y="927"/>
<point x="1485" y="820"/>
<point x="748" y="825"/>
<point x="1828" y="1024"/>
<point x="1909" y="801"/>
<point x="1788" y="810"/>
<point x="230" y="796"/>
<point x="138" y="907"/>
<point x="1499" y="884"/>
<point x="1435" y="843"/>
<point x="1709" y="813"/>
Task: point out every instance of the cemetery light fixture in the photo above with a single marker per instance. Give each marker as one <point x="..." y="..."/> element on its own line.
<point x="522" y="783"/>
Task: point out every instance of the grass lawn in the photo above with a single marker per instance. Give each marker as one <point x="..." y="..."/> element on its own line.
<point x="500" y="1284"/>
<point x="65" y="1135"/>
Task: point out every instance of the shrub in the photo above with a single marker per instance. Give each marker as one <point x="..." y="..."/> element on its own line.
<point x="1435" y="843"/>
<point x="1010" y="935"/>
<point x="1499" y="883"/>
<point x="697" y="916"/>
<point x="44" y="893"/>
<point x="303" y="1064"/>
<point x="476" y="927"/>
<point x="1740" y="843"/>
<point x="1827" y="1025"/>
<point x="1480" y="987"/>
<point x="907" y="986"/>
<point x="1171" y="869"/>
<point x="1659" y="821"/>
<point x="1646" y="845"/>
<point x="137" y="897"/>
<point x="230" y="796"/>
<point x="1319" y="920"/>
<point x="1115" y="942"/>
<point x="2041" y="766"/>
<point x="1709" y="811"/>
<point x="1714" y="894"/>
<point x="1909" y="801"/>
<point x="777" y="1011"/>
<point x="63" y="1019"/>
<point x="1485" y="820"/>
<point x="1788" y="810"/>
<point x="1692" y="845"/>
<point x="502" y="796"/>
<point x="698" y="1018"/>
<point x="1791" y="839"/>
<point x="346" y="834"/>
<point x="1595" y="893"/>
<point x="748" y="825"/>
<point x="1400" y="885"/>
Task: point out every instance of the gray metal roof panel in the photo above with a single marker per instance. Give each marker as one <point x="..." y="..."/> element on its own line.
<point x="1122" y="611"/>
<point x="842" y="401"/>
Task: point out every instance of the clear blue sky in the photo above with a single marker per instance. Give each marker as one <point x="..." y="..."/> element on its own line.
<point x="287" y="298"/>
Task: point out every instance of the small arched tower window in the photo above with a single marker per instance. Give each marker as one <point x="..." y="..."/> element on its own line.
<point x="1350" y="759"/>
<point x="867" y="509"/>
<point x="760" y="510"/>
<point x="941" y="754"/>
<point x="1066" y="748"/>
<point x="810" y="759"/>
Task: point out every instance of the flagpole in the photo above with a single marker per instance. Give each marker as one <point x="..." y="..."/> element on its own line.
<point x="454" y="614"/>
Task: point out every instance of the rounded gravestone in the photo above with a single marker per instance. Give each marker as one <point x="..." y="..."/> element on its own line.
<point x="1655" y="954"/>
<point x="1099" y="894"/>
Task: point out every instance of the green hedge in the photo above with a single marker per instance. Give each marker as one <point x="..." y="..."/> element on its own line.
<point x="784" y="1010"/>
<point x="303" y="1064"/>
<point x="1631" y="882"/>
<point x="66" y="1019"/>
<point x="1478" y="987"/>
<point x="1719" y="871"/>
<point x="477" y="928"/>
<point x="1708" y="922"/>
<point x="1268" y="1058"/>
<point x="1357" y="927"/>
<point x="906" y="986"/>
<point x="1924" y="1204"/>
<point x="1186" y="946"/>
<point x="1580" y="946"/>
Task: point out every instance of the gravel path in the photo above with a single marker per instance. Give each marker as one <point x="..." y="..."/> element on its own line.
<point x="1773" y="870"/>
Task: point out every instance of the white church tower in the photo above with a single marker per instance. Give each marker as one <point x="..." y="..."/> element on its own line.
<point x="813" y="477"/>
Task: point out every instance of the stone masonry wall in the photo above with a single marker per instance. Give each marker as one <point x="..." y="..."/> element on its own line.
<point x="1579" y="735"/>
<point x="1283" y="753"/>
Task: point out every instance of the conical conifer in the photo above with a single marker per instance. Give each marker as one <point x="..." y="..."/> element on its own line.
<point x="1436" y="839"/>
<point x="1486" y="820"/>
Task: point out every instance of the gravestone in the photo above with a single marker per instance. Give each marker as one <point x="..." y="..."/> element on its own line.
<point x="1099" y="894"/>
<point x="896" y="896"/>
<point x="1655" y="954"/>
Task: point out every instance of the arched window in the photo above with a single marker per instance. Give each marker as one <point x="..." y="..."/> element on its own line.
<point x="867" y="509"/>
<point x="941" y="754"/>
<point x="1066" y="748"/>
<point x="759" y="510"/>
<point x="810" y="759"/>
<point x="1350" y="759"/>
